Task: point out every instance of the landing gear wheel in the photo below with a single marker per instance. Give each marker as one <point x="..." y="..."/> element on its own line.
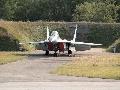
<point x="47" y="53"/>
<point x="69" y="52"/>
<point x="55" y="54"/>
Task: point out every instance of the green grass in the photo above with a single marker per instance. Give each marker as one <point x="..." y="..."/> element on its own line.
<point x="102" y="66"/>
<point x="7" y="57"/>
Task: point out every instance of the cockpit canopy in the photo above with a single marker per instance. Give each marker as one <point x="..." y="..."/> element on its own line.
<point x="54" y="33"/>
<point x="54" y="36"/>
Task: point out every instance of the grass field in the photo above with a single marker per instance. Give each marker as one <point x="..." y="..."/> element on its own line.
<point x="7" y="57"/>
<point x="93" y="66"/>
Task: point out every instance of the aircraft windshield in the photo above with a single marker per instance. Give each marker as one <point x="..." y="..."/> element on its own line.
<point x="54" y="33"/>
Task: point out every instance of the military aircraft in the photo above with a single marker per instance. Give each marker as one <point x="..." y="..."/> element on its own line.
<point x="56" y="44"/>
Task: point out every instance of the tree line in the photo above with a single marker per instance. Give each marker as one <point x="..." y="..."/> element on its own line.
<point x="60" y="10"/>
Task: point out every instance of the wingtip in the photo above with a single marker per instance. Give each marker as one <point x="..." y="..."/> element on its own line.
<point x="98" y="44"/>
<point x="20" y="43"/>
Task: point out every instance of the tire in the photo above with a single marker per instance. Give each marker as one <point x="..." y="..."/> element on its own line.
<point x="55" y="54"/>
<point x="47" y="52"/>
<point x="69" y="52"/>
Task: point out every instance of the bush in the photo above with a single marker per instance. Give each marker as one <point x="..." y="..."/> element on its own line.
<point x="97" y="11"/>
<point x="116" y="44"/>
<point x="104" y="33"/>
<point x="7" y="41"/>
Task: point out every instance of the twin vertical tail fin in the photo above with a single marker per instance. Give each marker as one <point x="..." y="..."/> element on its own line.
<point x="75" y="34"/>
<point x="47" y="33"/>
<point x="73" y="37"/>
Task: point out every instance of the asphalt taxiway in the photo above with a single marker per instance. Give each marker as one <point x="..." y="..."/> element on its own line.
<point x="34" y="71"/>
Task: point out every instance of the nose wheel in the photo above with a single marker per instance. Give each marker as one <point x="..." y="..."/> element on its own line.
<point x="47" y="53"/>
<point x="55" y="54"/>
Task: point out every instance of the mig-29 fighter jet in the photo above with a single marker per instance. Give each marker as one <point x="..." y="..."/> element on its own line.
<point x="56" y="44"/>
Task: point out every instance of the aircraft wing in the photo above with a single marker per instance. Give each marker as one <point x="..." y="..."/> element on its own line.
<point x="79" y="43"/>
<point x="82" y="43"/>
<point x="64" y="41"/>
<point x="33" y="42"/>
<point x="37" y="42"/>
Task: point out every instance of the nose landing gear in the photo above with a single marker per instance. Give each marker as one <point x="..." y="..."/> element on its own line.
<point x="55" y="54"/>
<point x="47" y="53"/>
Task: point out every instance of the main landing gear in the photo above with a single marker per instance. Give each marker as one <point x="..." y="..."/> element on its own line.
<point x="47" y="53"/>
<point x="69" y="52"/>
<point x="56" y="54"/>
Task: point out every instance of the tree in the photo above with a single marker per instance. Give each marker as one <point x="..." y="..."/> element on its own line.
<point x="55" y="10"/>
<point x="60" y="10"/>
<point x="96" y="11"/>
<point x="2" y="3"/>
<point x="9" y="9"/>
<point x="24" y="10"/>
